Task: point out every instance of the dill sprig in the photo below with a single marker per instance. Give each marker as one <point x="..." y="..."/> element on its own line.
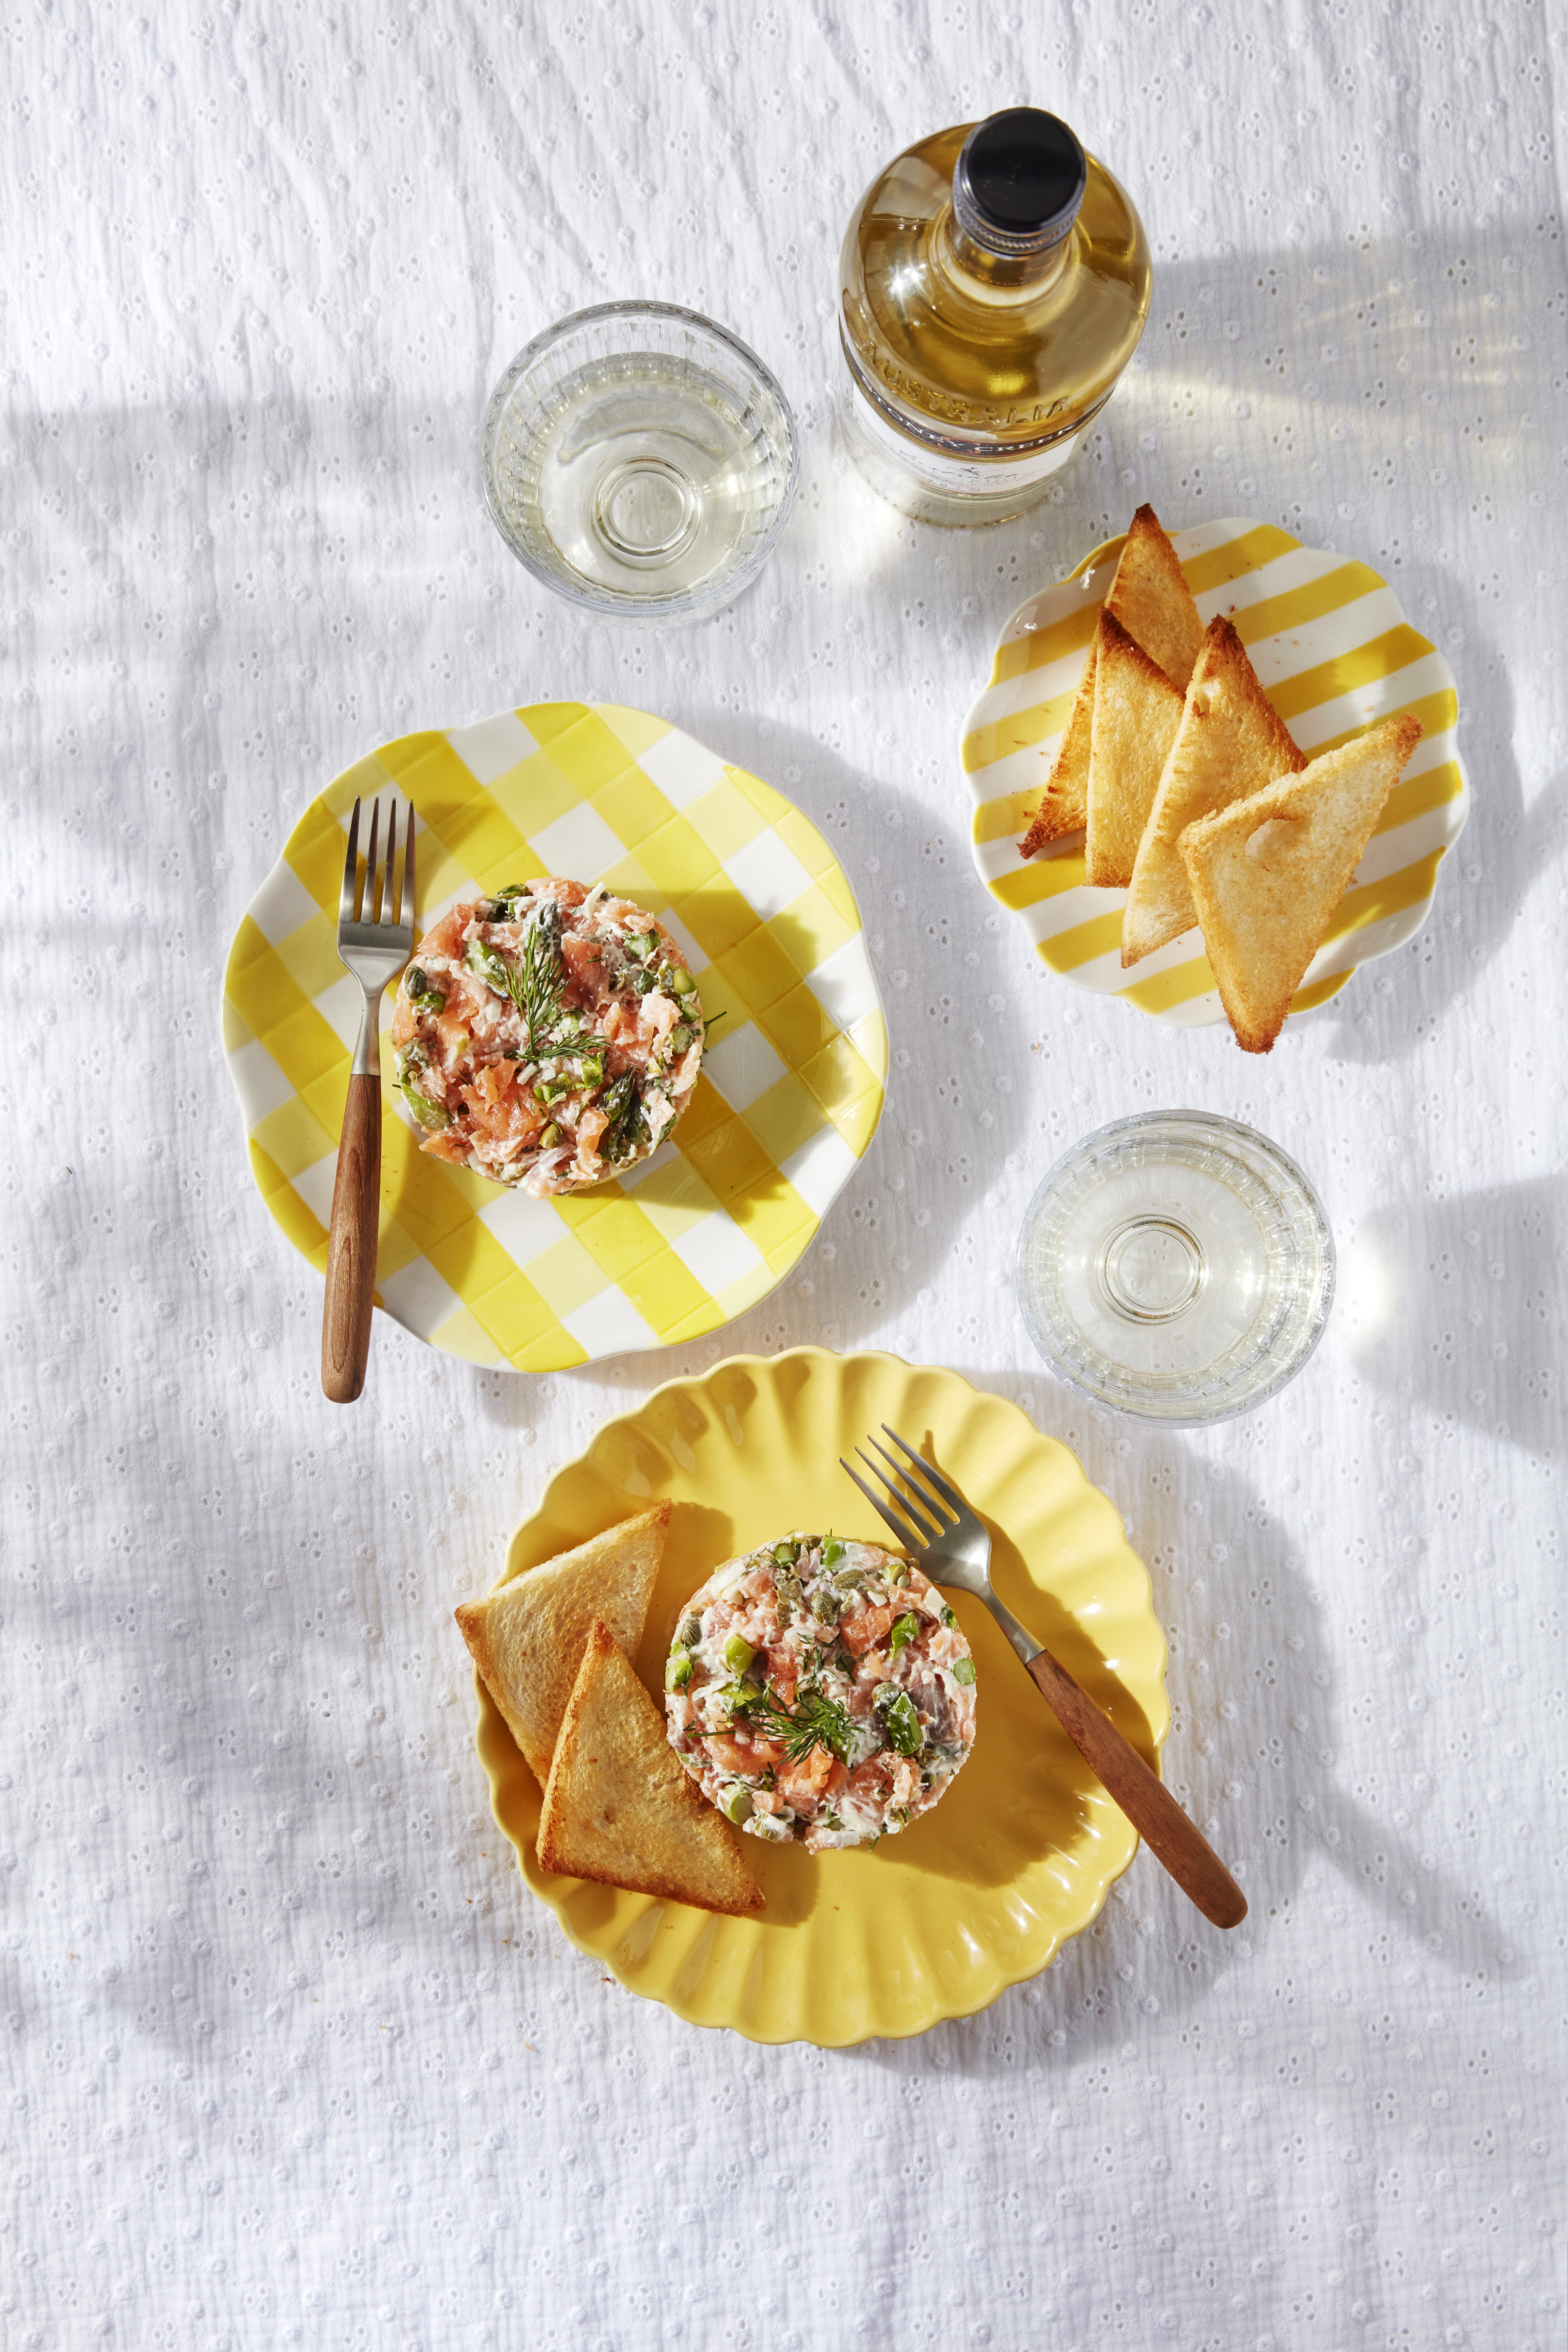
<point x="536" y="984"/>
<point x="817" y="1721"/>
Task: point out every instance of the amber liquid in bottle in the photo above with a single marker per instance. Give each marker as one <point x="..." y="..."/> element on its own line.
<point x="974" y="370"/>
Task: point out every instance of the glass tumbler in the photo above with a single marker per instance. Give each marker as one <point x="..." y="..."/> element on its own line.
<point x="640" y="461"/>
<point x="1176" y="1266"/>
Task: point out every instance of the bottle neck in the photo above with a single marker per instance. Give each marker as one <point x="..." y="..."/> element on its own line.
<point x="995" y="278"/>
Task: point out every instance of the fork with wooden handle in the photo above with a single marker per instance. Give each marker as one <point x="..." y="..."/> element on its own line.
<point x="376" y="940"/>
<point x="929" y="1515"/>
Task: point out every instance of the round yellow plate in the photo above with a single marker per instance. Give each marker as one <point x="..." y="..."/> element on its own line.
<point x="1333" y="652"/>
<point x="937" y="1921"/>
<point x="791" y="1088"/>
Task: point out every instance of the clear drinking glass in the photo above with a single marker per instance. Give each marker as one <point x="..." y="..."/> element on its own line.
<point x="640" y="461"/>
<point x="1176" y="1266"/>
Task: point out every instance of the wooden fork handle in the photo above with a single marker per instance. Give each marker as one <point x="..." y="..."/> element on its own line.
<point x="351" y="1245"/>
<point x="1142" y="1795"/>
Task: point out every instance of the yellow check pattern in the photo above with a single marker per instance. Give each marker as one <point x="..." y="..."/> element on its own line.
<point x="792" y="1083"/>
<point x="1333" y="652"/>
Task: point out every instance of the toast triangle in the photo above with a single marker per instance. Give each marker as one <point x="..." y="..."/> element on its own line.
<point x="1152" y="602"/>
<point x="1267" y="873"/>
<point x="1229" y="744"/>
<point x="619" y="1805"/>
<point x="1137" y="711"/>
<point x="1064" y="804"/>
<point x="527" y="1636"/>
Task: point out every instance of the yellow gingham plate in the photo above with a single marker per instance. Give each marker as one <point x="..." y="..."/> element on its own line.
<point x="791" y="1088"/>
<point x="1333" y="652"/>
<point x="1022" y="1850"/>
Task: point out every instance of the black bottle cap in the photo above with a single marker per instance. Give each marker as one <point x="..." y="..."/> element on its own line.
<point x="1019" y="181"/>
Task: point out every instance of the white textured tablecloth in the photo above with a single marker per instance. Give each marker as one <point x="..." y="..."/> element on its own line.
<point x="293" y="2056"/>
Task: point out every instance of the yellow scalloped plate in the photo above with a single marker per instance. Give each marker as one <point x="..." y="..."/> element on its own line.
<point x="980" y="1894"/>
<point x="1333" y="652"/>
<point x="791" y="1088"/>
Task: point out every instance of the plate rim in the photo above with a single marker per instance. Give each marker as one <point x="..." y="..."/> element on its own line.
<point x="1236" y="525"/>
<point x="491" y="1729"/>
<point x="252" y="1112"/>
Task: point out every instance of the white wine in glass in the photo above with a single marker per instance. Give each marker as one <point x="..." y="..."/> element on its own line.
<point x="1176" y="1266"/>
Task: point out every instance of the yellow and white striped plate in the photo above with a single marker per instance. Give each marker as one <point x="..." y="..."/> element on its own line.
<point x="1333" y="652"/>
<point x="791" y="1088"/>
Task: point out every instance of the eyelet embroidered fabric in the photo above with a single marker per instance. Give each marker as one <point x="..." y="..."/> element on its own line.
<point x="294" y="2057"/>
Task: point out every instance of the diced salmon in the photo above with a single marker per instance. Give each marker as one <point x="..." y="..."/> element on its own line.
<point x="657" y="1016"/>
<point x="782" y="1676"/>
<point x="585" y="968"/>
<point x="452" y="1027"/>
<point x="866" y="1627"/>
<point x="817" y="1775"/>
<point x="446" y="939"/>
<point x="447" y="1147"/>
<point x="590" y="1127"/>
<point x="871" y="1782"/>
<point x="735" y="1753"/>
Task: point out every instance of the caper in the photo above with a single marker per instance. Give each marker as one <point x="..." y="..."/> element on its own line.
<point x="690" y="1632"/>
<point x="825" y="1609"/>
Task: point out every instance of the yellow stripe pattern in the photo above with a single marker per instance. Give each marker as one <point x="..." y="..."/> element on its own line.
<point x="1301" y="612"/>
<point x="791" y="1086"/>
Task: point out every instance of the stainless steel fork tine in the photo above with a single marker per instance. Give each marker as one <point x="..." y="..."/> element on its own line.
<point x="389" y="887"/>
<point x="929" y="1524"/>
<point x="900" y="1533"/>
<point x="367" y="911"/>
<point x="932" y="1509"/>
<point x="928" y="1473"/>
<point x="405" y="905"/>
<point x="349" y="901"/>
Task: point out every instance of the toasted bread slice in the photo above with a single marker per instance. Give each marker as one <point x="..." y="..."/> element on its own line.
<point x="619" y="1806"/>
<point x="1267" y="873"/>
<point x="1064" y="805"/>
<point x="1137" y="711"/>
<point x="527" y="1636"/>
<point x="1229" y="744"/>
<point x="1153" y="602"/>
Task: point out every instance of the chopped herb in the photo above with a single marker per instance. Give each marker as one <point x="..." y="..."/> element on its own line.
<point x="948" y="1616"/>
<point x="677" y="1673"/>
<point x="905" y="1628"/>
<point x="833" y="1551"/>
<point x="739" y="1654"/>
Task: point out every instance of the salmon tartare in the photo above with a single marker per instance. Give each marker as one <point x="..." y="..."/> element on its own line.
<point x="548" y="1036"/>
<point x="820" y="1691"/>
